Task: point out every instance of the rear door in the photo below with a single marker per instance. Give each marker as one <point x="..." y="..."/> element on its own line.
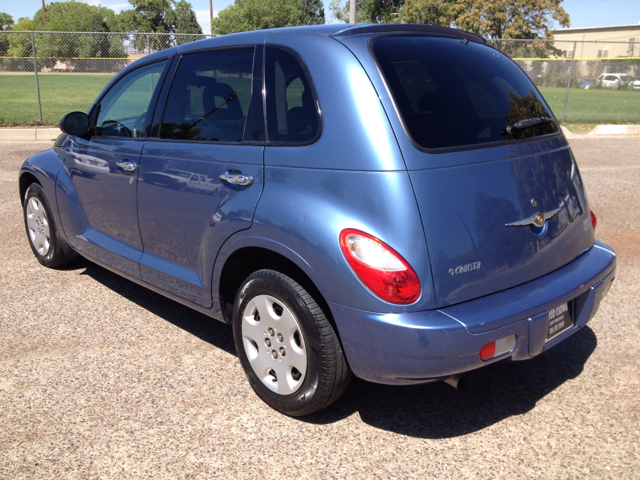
<point x="499" y="192"/>
<point x="201" y="179"/>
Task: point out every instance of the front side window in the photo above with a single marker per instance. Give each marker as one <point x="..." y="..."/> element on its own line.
<point x="209" y="97"/>
<point x="292" y="115"/>
<point x="453" y="94"/>
<point x="124" y="108"/>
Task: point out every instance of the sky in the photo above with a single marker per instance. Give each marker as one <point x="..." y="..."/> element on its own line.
<point x="582" y="13"/>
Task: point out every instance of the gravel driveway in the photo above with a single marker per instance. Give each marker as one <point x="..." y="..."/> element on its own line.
<point x="100" y="378"/>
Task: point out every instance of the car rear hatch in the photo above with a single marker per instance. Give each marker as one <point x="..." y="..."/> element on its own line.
<point x="499" y="192"/>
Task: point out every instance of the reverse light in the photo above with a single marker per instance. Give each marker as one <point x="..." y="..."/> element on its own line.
<point x="497" y="348"/>
<point x="594" y="220"/>
<point x="379" y="267"/>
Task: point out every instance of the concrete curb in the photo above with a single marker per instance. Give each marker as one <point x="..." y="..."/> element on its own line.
<point x="29" y="134"/>
<point x="567" y="133"/>
<point x="616" y="130"/>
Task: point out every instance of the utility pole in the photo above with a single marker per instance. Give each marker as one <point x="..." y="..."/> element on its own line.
<point x="44" y="13"/>
<point x="211" y="15"/>
<point x="352" y="12"/>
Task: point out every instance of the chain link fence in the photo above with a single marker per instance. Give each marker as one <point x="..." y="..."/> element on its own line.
<point x="583" y="81"/>
<point x="44" y="75"/>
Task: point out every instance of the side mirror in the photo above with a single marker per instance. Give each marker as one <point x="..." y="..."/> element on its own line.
<point x="75" y="123"/>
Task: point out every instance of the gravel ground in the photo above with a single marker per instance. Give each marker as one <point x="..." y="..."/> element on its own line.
<point x="100" y="378"/>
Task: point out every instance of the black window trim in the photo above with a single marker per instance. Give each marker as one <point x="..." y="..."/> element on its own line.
<point x="162" y="104"/>
<point x="152" y="104"/>
<point x="461" y="148"/>
<point x="305" y="69"/>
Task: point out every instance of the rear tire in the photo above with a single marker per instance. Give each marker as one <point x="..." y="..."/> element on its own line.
<point x="288" y="349"/>
<point x="42" y="232"/>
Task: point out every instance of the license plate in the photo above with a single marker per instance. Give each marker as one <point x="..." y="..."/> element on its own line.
<point x="559" y="320"/>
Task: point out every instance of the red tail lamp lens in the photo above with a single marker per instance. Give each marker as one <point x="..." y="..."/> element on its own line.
<point x="379" y="267"/>
<point x="488" y="351"/>
<point x="594" y="220"/>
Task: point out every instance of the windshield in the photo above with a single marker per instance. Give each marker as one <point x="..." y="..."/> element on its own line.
<point x="454" y="94"/>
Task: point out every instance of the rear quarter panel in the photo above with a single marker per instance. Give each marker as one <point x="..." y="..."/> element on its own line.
<point x="353" y="176"/>
<point x="306" y="209"/>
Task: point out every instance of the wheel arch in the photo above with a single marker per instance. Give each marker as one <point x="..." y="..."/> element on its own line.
<point x="243" y="256"/>
<point x="250" y="257"/>
<point x="43" y="169"/>
<point x="26" y="179"/>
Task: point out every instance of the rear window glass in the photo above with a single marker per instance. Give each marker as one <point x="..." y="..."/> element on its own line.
<point x="452" y="94"/>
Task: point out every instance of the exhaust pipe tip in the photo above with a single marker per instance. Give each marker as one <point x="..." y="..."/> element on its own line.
<point x="456" y="381"/>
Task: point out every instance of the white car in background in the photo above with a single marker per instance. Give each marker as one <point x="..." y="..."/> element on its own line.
<point x="615" y="80"/>
<point x="636" y="83"/>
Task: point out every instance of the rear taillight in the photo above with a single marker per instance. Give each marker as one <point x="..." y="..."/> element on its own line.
<point x="594" y="220"/>
<point x="379" y="267"/>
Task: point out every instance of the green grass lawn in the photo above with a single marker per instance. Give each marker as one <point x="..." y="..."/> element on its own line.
<point x="60" y="93"/>
<point x="65" y="92"/>
<point x="594" y="106"/>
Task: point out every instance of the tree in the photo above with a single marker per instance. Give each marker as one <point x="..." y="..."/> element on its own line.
<point x="246" y="15"/>
<point x="493" y="19"/>
<point x="511" y="18"/>
<point x="382" y="11"/>
<point x="20" y="43"/>
<point x="147" y="16"/>
<point x="159" y="16"/>
<point x="368" y="11"/>
<point x="310" y="12"/>
<point x="6" y="21"/>
<point x="185" y="21"/>
<point x="75" y="16"/>
<point x="432" y="12"/>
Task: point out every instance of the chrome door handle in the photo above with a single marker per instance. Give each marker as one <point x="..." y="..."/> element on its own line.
<point x="127" y="166"/>
<point x="243" y="180"/>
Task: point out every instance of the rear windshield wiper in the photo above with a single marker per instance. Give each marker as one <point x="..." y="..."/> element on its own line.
<point x="522" y="124"/>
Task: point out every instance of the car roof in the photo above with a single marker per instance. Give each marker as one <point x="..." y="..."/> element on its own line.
<point x="330" y="30"/>
<point x="342" y="30"/>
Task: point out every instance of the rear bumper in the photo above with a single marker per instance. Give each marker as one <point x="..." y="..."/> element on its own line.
<point x="421" y="347"/>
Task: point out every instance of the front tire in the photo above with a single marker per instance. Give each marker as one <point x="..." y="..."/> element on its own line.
<point x="286" y="345"/>
<point x="42" y="232"/>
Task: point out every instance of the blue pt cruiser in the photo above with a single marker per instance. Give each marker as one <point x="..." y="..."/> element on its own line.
<point x="395" y="202"/>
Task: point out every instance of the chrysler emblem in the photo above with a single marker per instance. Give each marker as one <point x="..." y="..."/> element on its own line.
<point x="539" y="219"/>
<point x="536" y="219"/>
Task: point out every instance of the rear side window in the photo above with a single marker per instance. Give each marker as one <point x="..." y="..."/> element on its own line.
<point x="292" y="115"/>
<point x="209" y="97"/>
<point x="455" y="94"/>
